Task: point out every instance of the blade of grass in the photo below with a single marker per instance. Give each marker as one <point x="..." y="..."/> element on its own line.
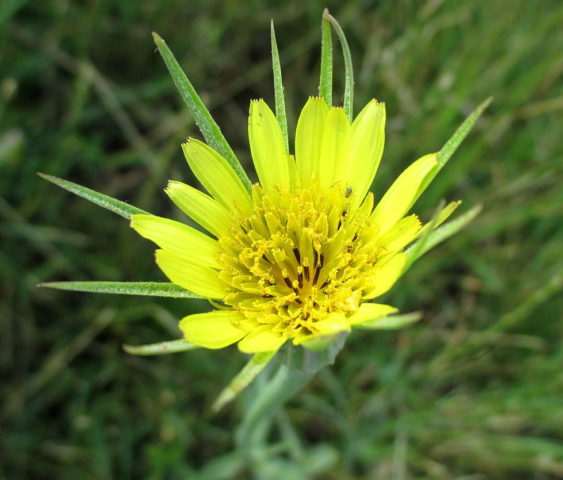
<point x="511" y="319"/>
<point x="325" y="82"/>
<point x="208" y="127"/>
<point x="104" y="201"/>
<point x="348" y="103"/>
<point x="162" y="348"/>
<point x="152" y="289"/>
<point x="278" y="86"/>
<point x="255" y="365"/>
<point x="9" y="8"/>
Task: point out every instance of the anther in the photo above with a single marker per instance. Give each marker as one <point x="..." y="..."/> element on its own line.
<point x="317" y="273"/>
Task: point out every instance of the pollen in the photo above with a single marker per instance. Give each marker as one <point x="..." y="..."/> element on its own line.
<point x="299" y="258"/>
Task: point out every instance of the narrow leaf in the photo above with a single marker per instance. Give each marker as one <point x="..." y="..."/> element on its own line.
<point x="203" y="119"/>
<point x="104" y="201"/>
<point x="149" y="289"/>
<point x="161" y="348"/>
<point x="325" y="83"/>
<point x="414" y="252"/>
<point x="348" y="70"/>
<point x="440" y="234"/>
<point x="278" y="87"/>
<point x="391" y="322"/>
<point x="250" y="371"/>
<point x="459" y="135"/>
<point x="453" y="143"/>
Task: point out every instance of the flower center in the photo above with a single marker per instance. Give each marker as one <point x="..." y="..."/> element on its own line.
<point x="299" y="258"/>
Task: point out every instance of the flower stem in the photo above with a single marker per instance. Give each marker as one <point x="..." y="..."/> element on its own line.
<point x="270" y="397"/>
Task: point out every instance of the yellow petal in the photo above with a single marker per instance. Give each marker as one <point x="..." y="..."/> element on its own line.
<point x="267" y="146"/>
<point x="262" y="339"/>
<point x="216" y="175"/>
<point x="213" y="329"/>
<point x="192" y="276"/>
<point x="334" y="323"/>
<point x="335" y="135"/>
<point x="292" y="169"/>
<point x="385" y="276"/>
<point x="177" y="238"/>
<point x="200" y="207"/>
<point x="400" y="234"/>
<point x="371" y="311"/>
<point x="399" y="198"/>
<point x="308" y="139"/>
<point x="363" y="153"/>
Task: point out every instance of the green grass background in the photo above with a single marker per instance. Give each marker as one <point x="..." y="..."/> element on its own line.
<point x="473" y="392"/>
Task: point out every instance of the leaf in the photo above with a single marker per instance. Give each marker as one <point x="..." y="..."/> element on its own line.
<point x="308" y="360"/>
<point x="150" y="289"/>
<point x="433" y="238"/>
<point x="453" y="143"/>
<point x="203" y="119"/>
<point x="459" y="135"/>
<point x="414" y="252"/>
<point x="391" y="322"/>
<point x="104" y="201"/>
<point x="162" y="348"/>
<point x="325" y="82"/>
<point x="250" y="371"/>
<point x="348" y="103"/>
<point x="278" y="87"/>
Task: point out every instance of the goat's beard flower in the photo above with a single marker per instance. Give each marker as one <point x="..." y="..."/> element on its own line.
<point x="303" y="252"/>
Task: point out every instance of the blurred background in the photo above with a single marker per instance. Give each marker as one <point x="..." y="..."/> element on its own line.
<point x="474" y="391"/>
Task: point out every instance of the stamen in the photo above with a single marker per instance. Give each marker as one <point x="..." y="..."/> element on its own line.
<point x="276" y="246"/>
<point x="317" y="273"/>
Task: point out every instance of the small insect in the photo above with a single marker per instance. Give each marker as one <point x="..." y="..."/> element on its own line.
<point x="348" y="192"/>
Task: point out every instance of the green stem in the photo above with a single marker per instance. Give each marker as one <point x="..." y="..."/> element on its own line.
<point x="269" y="398"/>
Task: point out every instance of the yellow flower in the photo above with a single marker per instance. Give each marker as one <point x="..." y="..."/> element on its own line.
<point x="301" y="255"/>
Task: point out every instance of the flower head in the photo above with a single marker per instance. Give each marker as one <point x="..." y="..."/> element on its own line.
<point x="302" y="254"/>
<point x="299" y="256"/>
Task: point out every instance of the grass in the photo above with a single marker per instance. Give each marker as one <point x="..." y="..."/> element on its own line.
<point x="472" y="392"/>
